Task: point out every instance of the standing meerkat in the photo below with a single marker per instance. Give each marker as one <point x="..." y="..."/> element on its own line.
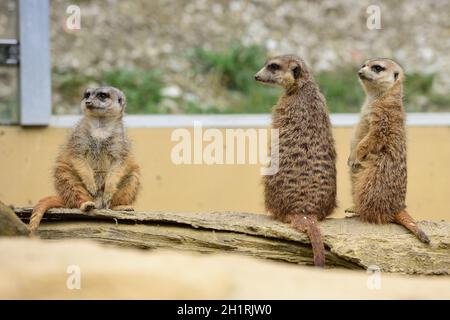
<point x="95" y="168"/>
<point x="303" y="191"/>
<point x="378" y="149"/>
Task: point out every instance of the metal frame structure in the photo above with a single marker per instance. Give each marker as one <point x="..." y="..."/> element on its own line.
<point x="35" y="68"/>
<point x="31" y="53"/>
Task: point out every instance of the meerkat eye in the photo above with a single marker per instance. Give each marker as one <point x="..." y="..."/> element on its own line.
<point x="103" y="95"/>
<point x="273" y="67"/>
<point x="86" y="95"/>
<point x="377" y="68"/>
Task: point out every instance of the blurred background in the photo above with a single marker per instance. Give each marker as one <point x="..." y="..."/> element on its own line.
<point x="199" y="57"/>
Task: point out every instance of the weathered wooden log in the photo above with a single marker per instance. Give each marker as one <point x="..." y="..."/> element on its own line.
<point x="349" y="243"/>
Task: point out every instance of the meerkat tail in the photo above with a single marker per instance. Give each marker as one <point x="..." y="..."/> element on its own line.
<point x="308" y="224"/>
<point x="42" y="206"/>
<point x="403" y="218"/>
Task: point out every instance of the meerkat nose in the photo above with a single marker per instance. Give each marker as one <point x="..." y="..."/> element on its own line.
<point x="257" y="78"/>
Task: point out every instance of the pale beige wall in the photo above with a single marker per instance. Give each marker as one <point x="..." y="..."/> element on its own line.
<point x="27" y="155"/>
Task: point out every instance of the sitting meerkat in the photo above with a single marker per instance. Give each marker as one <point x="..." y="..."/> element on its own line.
<point x="378" y="149"/>
<point x="303" y="191"/>
<point x="95" y="167"/>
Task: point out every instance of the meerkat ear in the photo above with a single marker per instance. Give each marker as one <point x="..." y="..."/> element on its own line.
<point x="122" y="101"/>
<point x="395" y="76"/>
<point x="295" y="69"/>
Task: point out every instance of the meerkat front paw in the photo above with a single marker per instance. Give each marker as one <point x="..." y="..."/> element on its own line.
<point x="87" y="206"/>
<point x="350" y="210"/>
<point x="353" y="164"/>
<point x="351" y="158"/>
<point x="355" y="167"/>
<point x="350" y="161"/>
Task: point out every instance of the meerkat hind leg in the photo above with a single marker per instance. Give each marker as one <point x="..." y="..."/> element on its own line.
<point x="403" y="218"/>
<point x="126" y="194"/>
<point x="352" y="213"/>
<point x="73" y="189"/>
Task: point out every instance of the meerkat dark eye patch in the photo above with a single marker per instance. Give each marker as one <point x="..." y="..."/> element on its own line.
<point x="86" y="95"/>
<point x="274" y="67"/>
<point x="395" y="75"/>
<point x="102" y="95"/>
<point x="377" y="68"/>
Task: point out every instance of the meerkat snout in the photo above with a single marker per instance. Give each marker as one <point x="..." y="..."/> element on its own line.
<point x="263" y="76"/>
<point x="360" y="73"/>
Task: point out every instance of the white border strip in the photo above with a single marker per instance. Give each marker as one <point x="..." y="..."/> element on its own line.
<point x="245" y="120"/>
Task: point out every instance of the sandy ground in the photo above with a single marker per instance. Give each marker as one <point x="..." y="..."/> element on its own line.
<point x="36" y="269"/>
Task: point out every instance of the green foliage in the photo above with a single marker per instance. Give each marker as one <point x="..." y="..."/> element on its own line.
<point x="415" y="83"/>
<point x="237" y="65"/>
<point x="341" y="89"/>
<point x="260" y="99"/>
<point x="419" y="94"/>
<point x="234" y="68"/>
<point x="142" y="89"/>
<point x="70" y="84"/>
<point x="9" y="110"/>
<point x="345" y="94"/>
<point x="190" y="107"/>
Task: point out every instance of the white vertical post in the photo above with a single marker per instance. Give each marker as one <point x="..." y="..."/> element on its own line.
<point x="35" y="68"/>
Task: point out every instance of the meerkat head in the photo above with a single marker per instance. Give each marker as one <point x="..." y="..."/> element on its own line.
<point x="379" y="74"/>
<point x="103" y="102"/>
<point x="287" y="71"/>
